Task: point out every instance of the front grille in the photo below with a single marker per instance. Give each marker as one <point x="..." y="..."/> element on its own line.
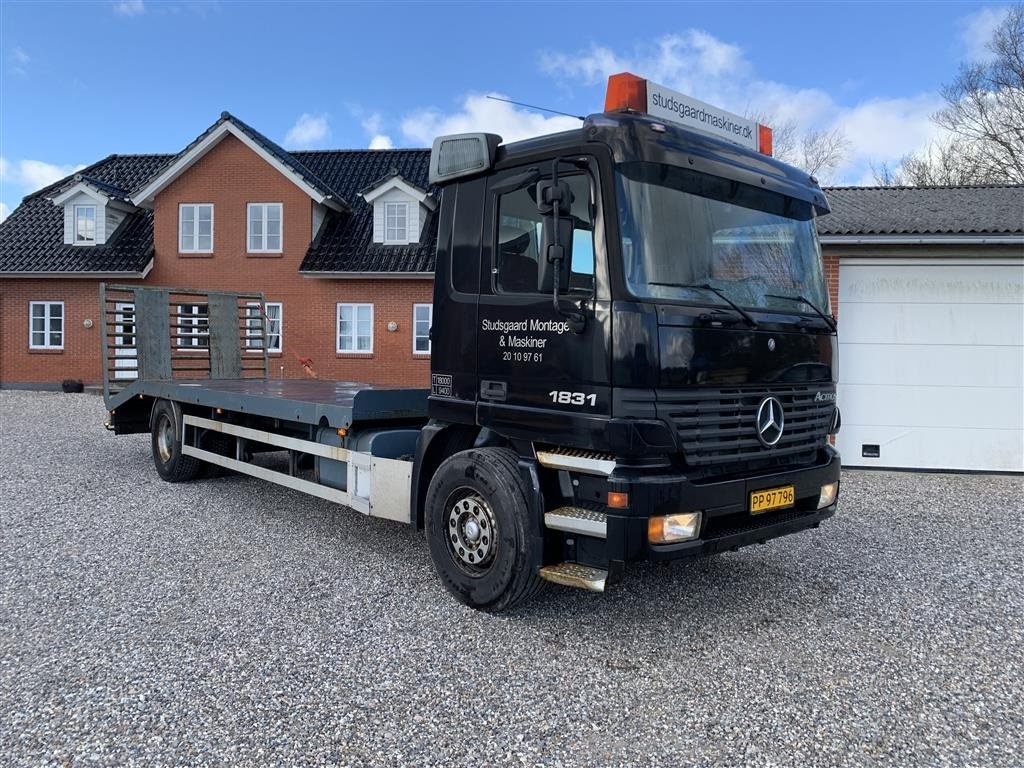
<point x="718" y="426"/>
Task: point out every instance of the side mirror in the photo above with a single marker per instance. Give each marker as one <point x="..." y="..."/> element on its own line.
<point x="556" y="241"/>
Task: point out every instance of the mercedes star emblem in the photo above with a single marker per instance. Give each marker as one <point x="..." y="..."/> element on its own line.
<point x="771" y="345"/>
<point x="770" y="421"/>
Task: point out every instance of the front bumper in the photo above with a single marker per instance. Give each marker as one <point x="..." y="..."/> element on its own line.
<point x="726" y="524"/>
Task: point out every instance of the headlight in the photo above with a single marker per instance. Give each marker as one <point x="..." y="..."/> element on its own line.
<point x="669" y="529"/>
<point x="828" y="495"/>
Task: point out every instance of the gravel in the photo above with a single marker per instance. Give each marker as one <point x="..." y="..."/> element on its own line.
<point x="233" y="622"/>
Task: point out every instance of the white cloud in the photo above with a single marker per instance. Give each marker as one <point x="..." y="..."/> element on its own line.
<point x="976" y="31"/>
<point x="129" y="7"/>
<point x="699" y="64"/>
<point x="381" y="141"/>
<point x="887" y="129"/>
<point x="5" y="211"/>
<point x="19" y="60"/>
<point x="36" y="174"/>
<point x="308" y="131"/>
<point x="31" y="175"/>
<point x="688" y="62"/>
<point x="478" y="113"/>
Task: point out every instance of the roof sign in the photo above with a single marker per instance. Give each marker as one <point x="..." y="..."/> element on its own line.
<point x="626" y="91"/>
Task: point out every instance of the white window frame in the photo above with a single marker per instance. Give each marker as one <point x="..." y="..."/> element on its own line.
<point x="195" y="230"/>
<point x="404" y="239"/>
<point x="47" y="330"/>
<point x="248" y="222"/>
<point x="191" y="339"/>
<point x="430" y="322"/>
<point x="74" y="224"/>
<point x="252" y="327"/>
<point x="355" y="329"/>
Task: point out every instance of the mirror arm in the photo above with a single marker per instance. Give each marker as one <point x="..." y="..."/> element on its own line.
<point x="577" y="321"/>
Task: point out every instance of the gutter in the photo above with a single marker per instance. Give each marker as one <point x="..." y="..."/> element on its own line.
<point x="371" y="275"/>
<point x="81" y="275"/>
<point x="921" y="240"/>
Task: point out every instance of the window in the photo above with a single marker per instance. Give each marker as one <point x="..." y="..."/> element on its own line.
<point x="520" y="230"/>
<point x="422" y="317"/>
<point x="85" y="224"/>
<point x="193" y="325"/>
<point x="396" y="223"/>
<point x="195" y="228"/>
<point x="265" y="227"/>
<point x="46" y="325"/>
<point x="263" y="322"/>
<point x="355" y="328"/>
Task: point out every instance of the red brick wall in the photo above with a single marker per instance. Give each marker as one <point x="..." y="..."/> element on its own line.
<point x="831" y="263"/>
<point x="230" y="176"/>
<point x="80" y="358"/>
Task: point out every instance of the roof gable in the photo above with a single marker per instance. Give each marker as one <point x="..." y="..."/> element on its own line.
<point x="394" y="180"/>
<point x="278" y="158"/>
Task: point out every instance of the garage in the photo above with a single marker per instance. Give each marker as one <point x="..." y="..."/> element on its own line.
<point x="932" y="363"/>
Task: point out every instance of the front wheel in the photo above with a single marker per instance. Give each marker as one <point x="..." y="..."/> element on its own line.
<point x="171" y="464"/>
<point x="478" y="528"/>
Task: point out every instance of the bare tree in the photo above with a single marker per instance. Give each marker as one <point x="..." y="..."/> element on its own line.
<point x="985" y="104"/>
<point x="822" y="152"/>
<point x="983" y="119"/>
<point x="819" y="152"/>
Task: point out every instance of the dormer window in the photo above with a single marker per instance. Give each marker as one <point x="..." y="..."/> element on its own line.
<point x="396" y="223"/>
<point x="85" y="225"/>
<point x="400" y="209"/>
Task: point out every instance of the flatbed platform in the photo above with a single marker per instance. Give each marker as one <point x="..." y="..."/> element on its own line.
<point x="340" y="403"/>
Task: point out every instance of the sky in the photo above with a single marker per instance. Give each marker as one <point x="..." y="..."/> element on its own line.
<point x="82" y="80"/>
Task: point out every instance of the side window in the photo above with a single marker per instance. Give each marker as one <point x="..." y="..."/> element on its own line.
<point x="520" y="228"/>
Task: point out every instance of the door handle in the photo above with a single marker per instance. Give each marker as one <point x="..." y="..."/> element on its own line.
<point x="493" y="390"/>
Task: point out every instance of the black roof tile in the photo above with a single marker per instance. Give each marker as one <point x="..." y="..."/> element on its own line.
<point x="345" y="242"/>
<point x="982" y="210"/>
<point x="32" y="237"/>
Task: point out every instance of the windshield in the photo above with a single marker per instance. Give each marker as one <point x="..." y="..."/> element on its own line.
<point x="684" y="228"/>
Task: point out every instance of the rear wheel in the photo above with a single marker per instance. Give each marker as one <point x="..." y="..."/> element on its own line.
<point x="171" y="464"/>
<point x="478" y="528"/>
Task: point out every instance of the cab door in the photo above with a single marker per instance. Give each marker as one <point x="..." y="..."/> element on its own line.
<point x="537" y="375"/>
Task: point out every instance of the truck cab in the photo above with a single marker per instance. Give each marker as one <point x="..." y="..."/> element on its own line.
<point x="676" y="379"/>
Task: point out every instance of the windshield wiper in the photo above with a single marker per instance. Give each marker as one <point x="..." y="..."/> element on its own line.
<point x="830" y="322"/>
<point x="705" y="287"/>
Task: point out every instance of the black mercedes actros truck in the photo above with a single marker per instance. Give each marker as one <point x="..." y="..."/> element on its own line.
<point x="633" y="358"/>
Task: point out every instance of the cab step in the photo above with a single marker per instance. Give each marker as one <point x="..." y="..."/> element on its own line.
<point x="575" y="575"/>
<point x="585" y="522"/>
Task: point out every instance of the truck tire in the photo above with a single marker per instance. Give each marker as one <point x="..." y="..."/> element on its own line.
<point x="171" y="464"/>
<point x="479" y="531"/>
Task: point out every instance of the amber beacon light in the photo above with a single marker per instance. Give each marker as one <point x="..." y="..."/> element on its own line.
<point x="630" y="93"/>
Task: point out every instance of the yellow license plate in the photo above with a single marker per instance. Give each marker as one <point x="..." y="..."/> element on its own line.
<point x="772" y="498"/>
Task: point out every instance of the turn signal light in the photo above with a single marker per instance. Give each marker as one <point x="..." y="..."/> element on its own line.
<point x="669" y="529"/>
<point x="617" y="500"/>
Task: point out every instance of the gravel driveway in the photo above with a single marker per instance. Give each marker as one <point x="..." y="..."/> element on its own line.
<point x="232" y="622"/>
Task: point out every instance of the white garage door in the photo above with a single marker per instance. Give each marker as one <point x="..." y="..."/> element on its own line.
<point x="931" y="364"/>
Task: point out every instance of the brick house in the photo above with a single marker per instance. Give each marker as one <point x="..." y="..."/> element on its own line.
<point x="928" y="283"/>
<point x="340" y="242"/>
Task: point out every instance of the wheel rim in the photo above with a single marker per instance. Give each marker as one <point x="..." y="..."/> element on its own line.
<point x="165" y="438"/>
<point x="471" y="531"/>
